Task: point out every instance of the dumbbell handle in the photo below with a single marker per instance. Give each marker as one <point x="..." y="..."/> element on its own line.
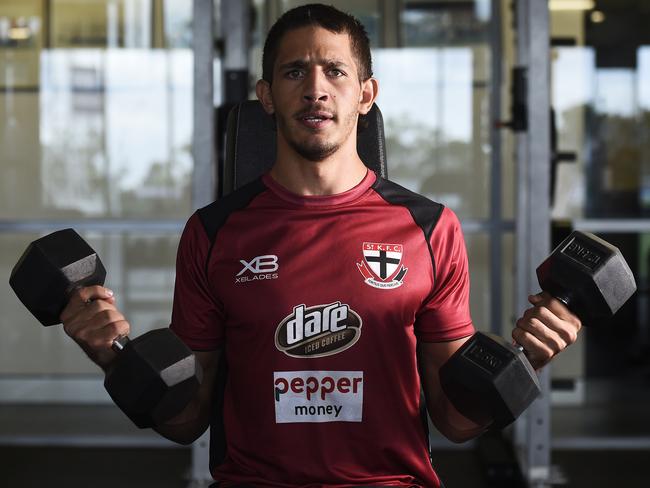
<point x="120" y="343"/>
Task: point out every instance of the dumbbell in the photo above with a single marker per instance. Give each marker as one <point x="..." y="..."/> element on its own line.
<point x="488" y="378"/>
<point x="153" y="376"/>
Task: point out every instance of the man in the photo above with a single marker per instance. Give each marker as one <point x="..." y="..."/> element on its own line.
<point x="332" y="293"/>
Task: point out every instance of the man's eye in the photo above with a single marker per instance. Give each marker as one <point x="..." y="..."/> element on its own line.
<point x="294" y="74"/>
<point x="336" y="72"/>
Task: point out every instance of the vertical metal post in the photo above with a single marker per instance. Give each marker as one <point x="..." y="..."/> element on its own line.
<point x="391" y="30"/>
<point x="203" y="150"/>
<point x="203" y="140"/>
<point x="235" y="20"/>
<point x="496" y="232"/>
<point x="533" y="217"/>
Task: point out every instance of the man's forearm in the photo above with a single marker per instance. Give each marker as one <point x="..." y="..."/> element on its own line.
<point x="452" y="424"/>
<point x="186" y="427"/>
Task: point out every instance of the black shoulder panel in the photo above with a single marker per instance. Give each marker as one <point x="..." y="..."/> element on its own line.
<point x="215" y="215"/>
<point x="425" y="212"/>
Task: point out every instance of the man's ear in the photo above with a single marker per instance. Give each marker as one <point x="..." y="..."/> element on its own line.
<point x="369" y="92"/>
<point x="263" y="91"/>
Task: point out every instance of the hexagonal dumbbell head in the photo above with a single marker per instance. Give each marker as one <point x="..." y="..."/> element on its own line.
<point x="153" y="378"/>
<point x="489" y="379"/>
<point x="589" y="275"/>
<point x="50" y="269"/>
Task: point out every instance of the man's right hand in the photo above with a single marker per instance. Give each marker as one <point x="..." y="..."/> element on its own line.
<point x="93" y="321"/>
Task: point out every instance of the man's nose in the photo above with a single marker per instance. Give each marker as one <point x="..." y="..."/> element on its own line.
<point x="315" y="87"/>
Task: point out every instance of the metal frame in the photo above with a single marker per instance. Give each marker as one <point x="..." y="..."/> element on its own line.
<point x="203" y="141"/>
<point x="491" y="227"/>
<point x="90" y="225"/>
<point x="602" y="443"/>
<point x="496" y="227"/>
<point x="90" y="441"/>
<point x="204" y="177"/>
<point x="533" y="430"/>
<point x="203" y="192"/>
<point x="636" y="226"/>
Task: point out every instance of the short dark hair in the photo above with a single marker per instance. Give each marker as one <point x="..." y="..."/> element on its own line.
<point x="324" y="16"/>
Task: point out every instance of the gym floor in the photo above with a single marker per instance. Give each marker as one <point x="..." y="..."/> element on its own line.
<point x="70" y="446"/>
<point x="32" y="467"/>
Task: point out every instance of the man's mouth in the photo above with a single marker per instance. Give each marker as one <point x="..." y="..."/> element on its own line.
<point x="316" y="119"/>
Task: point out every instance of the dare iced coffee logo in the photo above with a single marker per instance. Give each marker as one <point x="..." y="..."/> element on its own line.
<point x="321" y="330"/>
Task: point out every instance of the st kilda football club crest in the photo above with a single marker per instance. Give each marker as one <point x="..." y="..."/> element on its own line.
<point x="382" y="265"/>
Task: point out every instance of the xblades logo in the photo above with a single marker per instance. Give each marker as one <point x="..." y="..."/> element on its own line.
<point x="263" y="267"/>
<point x="321" y="330"/>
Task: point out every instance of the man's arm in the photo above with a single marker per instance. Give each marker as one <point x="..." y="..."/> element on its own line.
<point x="450" y="423"/>
<point x="188" y="426"/>
<point x="93" y="321"/>
<point x="544" y="330"/>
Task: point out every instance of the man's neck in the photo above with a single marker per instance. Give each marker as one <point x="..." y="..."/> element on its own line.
<point x="336" y="174"/>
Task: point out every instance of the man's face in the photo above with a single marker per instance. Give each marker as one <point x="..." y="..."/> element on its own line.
<point x="316" y="94"/>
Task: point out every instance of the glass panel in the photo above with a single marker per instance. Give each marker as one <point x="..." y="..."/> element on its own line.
<point x="572" y="94"/>
<point x="434" y="94"/>
<point x="367" y="11"/>
<point x="95" y="122"/>
<point x="601" y="99"/>
<point x="21" y="38"/>
<point x="140" y="269"/>
<point x="435" y="106"/>
<point x="178" y="24"/>
<point x="101" y="23"/>
<point x="90" y="132"/>
<point x="430" y="23"/>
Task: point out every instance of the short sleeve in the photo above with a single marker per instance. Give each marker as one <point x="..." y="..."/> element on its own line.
<point x="197" y="316"/>
<point x="445" y="315"/>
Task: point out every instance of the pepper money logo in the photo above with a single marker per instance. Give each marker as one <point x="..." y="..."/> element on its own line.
<point x="318" y="331"/>
<point x="318" y="396"/>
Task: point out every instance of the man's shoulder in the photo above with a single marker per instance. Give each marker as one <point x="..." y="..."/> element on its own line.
<point x="425" y="212"/>
<point x="400" y="195"/>
<point x="214" y="215"/>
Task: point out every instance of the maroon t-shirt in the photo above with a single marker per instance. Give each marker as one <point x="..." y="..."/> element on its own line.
<point x="319" y="302"/>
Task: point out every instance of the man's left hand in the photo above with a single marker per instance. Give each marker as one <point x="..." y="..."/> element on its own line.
<point x="545" y="329"/>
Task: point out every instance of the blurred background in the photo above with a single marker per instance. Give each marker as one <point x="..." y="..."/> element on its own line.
<point x="111" y="122"/>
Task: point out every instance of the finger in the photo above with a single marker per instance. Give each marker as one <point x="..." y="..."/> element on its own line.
<point x="99" y="330"/>
<point x="81" y="297"/>
<point x="535" y="299"/>
<point x="102" y="337"/>
<point x="536" y="351"/>
<point x="553" y="316"/>
<point x="87" y="294"/>
<point x="83" y="311"/>
<point x="558" y="308"/>
<point x="548" y="336"/>
<point x="92" y="315"/>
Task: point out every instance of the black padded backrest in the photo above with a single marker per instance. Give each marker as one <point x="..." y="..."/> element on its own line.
<point x="250" y="144"/>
